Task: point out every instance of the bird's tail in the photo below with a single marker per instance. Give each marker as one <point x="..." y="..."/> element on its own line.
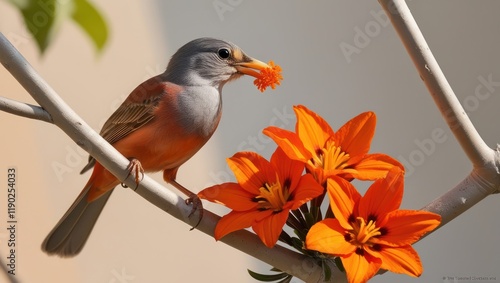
<point x="72" y="231"/>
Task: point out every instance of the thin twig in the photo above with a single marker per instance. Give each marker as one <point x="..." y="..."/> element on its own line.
<point x="24" y="110"/>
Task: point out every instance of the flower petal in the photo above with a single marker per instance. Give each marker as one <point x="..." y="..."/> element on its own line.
<point x="311" y="128"/>
<point x="360" y="268"/>
<point x="289" y="142"/>
<point x="231" y="195"/>
<point x="288" y="170"/>
<point x="403" y="260"/>
<point x="306" y="189"/>
<point x="269" y="229"/>
<point x="383" y="196"/>
<point x="327" y="236"/>
<point x="252" y="171"/>
<point x="233" y="221"/>
<point x="405" y="227"/>
<point x="356" y="135"/>
<point x="343" y="199"/>
<point x="371" y="166"/>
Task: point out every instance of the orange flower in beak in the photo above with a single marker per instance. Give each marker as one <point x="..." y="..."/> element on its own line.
<point x="269" y="75"/>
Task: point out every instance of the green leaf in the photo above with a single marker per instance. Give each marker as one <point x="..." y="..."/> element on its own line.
<point x="327" y="272"/>
<point x="310" y="219"/>
<point x="339" y="264"/>
<point x="43" y="18"/>
<point x="91" y="21"/>
<point x="39" y="17"/>
<point x="267" y="278"/>
<point x="298" y="244"/>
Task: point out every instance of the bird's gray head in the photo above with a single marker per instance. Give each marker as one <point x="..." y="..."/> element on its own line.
<point x="209" y="61"/>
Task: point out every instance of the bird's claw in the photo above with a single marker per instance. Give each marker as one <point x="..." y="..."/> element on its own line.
<point x="197" y="206"/>
<point x="135" y="167"/>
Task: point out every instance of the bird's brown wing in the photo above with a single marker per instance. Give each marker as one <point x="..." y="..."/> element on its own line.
<point x="128" y="118"/>
<point x="135" y="112"/>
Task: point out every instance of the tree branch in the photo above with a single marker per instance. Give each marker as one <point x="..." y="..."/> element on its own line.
<point x="11" y="278"/>
<point x="484" y="179"/>
<point x="435" y="81"/>
<point x="68" y="121"/>
<point x="24" y="110"/>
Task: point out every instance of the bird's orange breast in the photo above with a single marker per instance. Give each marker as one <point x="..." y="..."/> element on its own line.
<point x="160" y="148"/>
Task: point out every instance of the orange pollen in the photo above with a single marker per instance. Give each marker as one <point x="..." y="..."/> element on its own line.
<point x="272" y="197"/>
<point x="269" y="76"/>
<point x="362" y="232"/>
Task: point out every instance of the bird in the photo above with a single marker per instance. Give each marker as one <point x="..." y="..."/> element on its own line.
<point x="163" y="122"/>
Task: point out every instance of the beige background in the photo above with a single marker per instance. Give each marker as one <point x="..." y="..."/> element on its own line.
<point x="135" y="239"/>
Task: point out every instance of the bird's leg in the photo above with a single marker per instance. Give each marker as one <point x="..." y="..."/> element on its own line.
<point x="135" y="167"/>
<point x="192" y="199"/>
<point x="169" y="177"/>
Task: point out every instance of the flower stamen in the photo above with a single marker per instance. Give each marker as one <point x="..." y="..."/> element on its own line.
<point x="362" y="232"/>
<point x="335" y="158"/>
<point x="330" y="158"/>
<point x="272" y="196"/>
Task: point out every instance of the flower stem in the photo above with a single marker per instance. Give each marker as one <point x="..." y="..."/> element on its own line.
<point x="293" y="222"/>
<point x="300" y="218"/>
<point x="285" y="238"/>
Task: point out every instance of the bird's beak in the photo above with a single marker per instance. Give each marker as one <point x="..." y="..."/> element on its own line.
<point x="251" y="67"/>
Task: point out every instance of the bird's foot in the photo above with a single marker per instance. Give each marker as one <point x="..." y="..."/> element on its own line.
<point x="192" y="199"/>
<point x="197" y="206"/>
<point x="135" y="167"/>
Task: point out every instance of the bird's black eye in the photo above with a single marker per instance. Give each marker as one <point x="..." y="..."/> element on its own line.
<point x="224" y="53"/>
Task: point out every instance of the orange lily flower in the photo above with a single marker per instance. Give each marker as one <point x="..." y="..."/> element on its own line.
<point x="370" y="232"/>
<point x="327" y="153"/>
<point x="264" y="195"/>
